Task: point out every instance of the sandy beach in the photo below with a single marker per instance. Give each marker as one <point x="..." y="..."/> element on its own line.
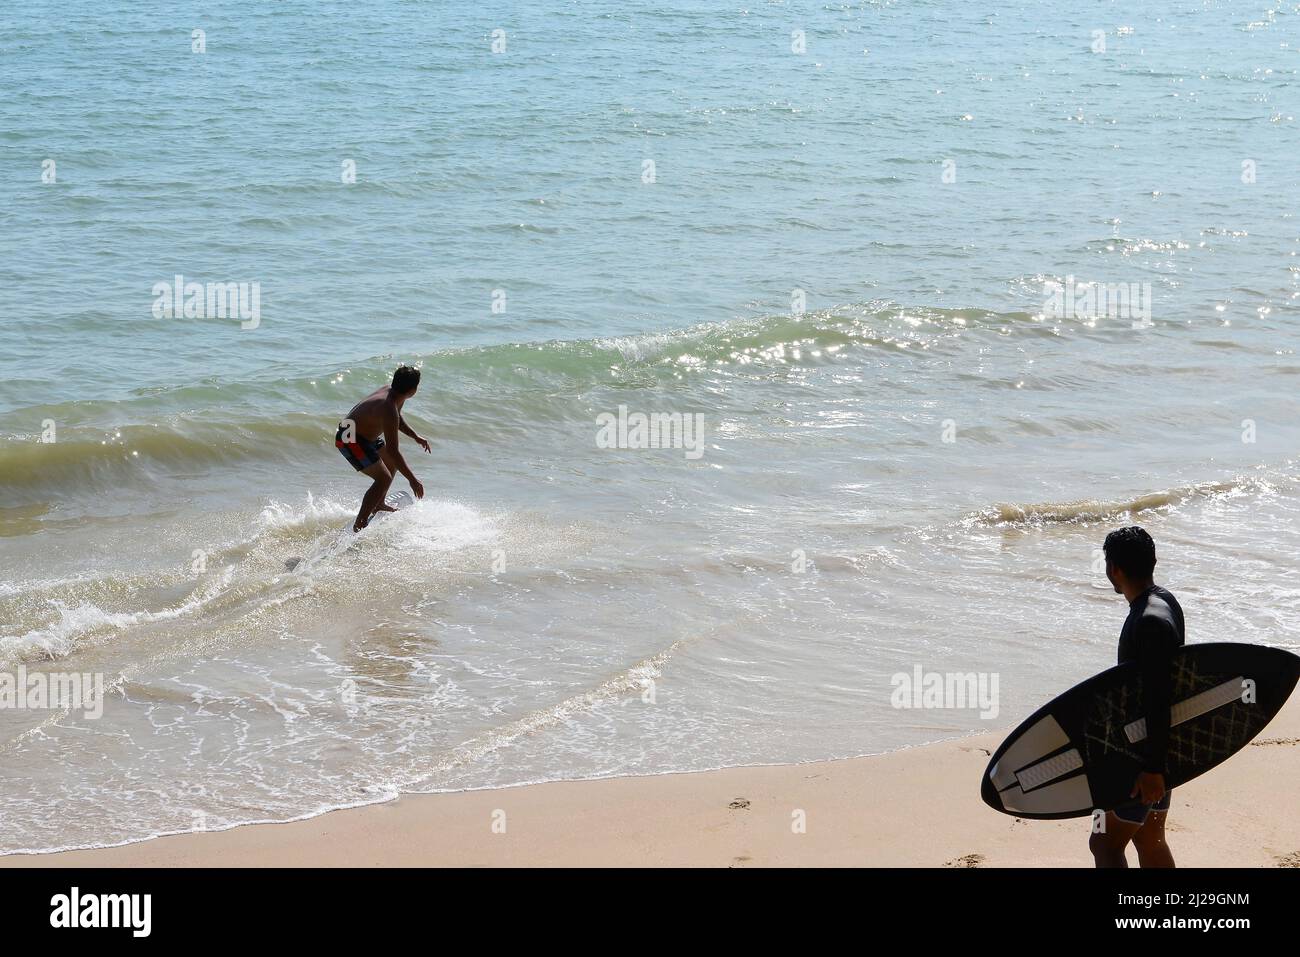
<point x="914" y="808"/>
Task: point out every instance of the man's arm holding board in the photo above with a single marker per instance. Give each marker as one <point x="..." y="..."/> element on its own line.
<point x="1157" y="642"/>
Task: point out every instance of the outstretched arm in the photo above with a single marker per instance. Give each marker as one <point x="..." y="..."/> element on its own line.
<point x="407" y="430"/>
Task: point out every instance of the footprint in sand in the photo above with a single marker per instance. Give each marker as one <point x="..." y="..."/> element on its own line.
<point x="739" y="861"/>
<point x="739" y="804"/>
<point x="1289" y="860"/>
<point x="967" y="860"/>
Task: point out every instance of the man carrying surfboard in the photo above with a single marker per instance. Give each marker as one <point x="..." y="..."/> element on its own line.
<point x="367" y="437"/>
<point x="1152" y="632"/>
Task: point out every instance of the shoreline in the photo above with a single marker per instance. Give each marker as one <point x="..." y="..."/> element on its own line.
<point x="918" y="807"/>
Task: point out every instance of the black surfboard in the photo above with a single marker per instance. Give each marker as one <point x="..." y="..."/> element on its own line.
<point x="1078" y="753"/>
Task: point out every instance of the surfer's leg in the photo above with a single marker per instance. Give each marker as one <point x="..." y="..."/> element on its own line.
<point x="385" y="461"/>
<point x="1150" y="842"/>
<point x="373" y="500"/>
<point x="1108" y="846"/>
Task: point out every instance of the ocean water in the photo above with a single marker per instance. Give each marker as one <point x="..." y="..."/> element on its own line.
<point x="838" y="259"/>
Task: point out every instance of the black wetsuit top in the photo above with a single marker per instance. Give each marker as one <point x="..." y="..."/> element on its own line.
<point x="1151" y="633"/>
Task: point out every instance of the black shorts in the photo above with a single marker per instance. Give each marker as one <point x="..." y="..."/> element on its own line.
<point x="1135" y="812"/>
<point x="362" y="453"/>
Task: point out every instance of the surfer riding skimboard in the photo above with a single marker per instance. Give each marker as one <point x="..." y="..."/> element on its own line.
<point x="367" y="437"/>
<point x="1152" y="632"/>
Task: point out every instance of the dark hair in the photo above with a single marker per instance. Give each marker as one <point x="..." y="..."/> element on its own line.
<point x="405" y="379"/>
<point x="1132" y="550"/>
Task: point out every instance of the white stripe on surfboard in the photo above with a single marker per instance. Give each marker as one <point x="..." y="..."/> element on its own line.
<point x="1050" y="769"/>
<point x="1042" y="737"/>
<point x="1067" y="794"/>
<point x="1193" y="707"/>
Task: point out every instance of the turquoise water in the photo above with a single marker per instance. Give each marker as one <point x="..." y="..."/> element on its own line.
<point x="507" y="628"/>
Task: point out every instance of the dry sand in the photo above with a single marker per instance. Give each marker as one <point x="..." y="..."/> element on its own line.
<point x="919" y="807"/>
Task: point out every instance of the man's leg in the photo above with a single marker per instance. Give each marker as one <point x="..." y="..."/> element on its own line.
<point x="1108" y="847"/>
<point x="1150" y="842"/>
<point x="373" y="500"/>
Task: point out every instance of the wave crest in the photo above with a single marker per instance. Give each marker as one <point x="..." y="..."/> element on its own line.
<point x="1089" y="511"/>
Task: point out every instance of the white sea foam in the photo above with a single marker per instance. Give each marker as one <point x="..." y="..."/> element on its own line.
<point x="315" y="511"/>
<point x="58" y="638"/>
<point x="435" y="526"/>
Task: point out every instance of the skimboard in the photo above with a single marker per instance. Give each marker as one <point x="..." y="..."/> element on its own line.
<point x="1080" y="753"/>
<point x="396" y="501"/>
